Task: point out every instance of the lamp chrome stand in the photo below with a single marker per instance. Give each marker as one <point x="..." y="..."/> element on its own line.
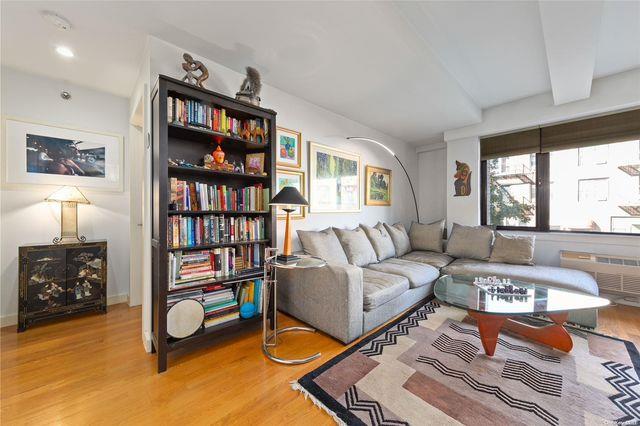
<point x="270" y="333"/>
<point x="69" y="224"/>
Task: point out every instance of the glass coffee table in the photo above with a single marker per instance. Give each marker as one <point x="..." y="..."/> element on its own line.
<point x="494" y="312"/>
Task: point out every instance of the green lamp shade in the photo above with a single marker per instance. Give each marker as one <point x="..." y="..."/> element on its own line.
<point x="288" y="196"/>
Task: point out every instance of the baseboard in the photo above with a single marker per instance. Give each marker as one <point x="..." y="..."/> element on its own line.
<point x="12" y="319"/>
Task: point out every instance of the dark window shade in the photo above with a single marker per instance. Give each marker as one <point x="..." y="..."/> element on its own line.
<point x="612" y="128"/>
<point x="524" y="142"/>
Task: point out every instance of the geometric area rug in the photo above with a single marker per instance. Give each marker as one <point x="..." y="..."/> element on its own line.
<point x="428" y="368"/>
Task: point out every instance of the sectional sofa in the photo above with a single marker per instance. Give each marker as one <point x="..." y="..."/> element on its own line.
<point x="375" y="273"/>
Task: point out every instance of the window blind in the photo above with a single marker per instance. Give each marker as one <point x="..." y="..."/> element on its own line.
<point x="518" y="143"/>
<point x="612" y="128"/>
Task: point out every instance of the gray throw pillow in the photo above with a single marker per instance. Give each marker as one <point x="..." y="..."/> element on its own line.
<point x="357" y="246"/>
<point x="400" y="238"/>
<point x="380" y="240"/>
<point x="323" y="244"/>
<point x="470" y="242"/>
<point x="513" y="249"/>
<point x="427" y="237"/>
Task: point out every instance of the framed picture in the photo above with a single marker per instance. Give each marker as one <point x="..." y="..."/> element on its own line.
<point x="289" y="149"/>
<point x="334" y="180"/>
<point x="293" y="178"/>
<point x="254" y="163"/>
<point x="377" y="186"/>
<point x="51" y="155"/>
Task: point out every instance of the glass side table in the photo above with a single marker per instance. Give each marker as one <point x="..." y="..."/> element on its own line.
<point x="270" y="288"/>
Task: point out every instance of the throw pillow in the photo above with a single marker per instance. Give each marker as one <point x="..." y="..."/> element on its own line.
<point x="380" y="240"/>
<point x="323" y="244"/>
<point x="513" y="249"/>
<point x="357" y="246"/>
<point x="427" y="237"/>
<point x="400" y="238"/>
<point x="470" y="242"/>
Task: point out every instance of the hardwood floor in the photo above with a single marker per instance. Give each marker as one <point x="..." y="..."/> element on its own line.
<point x="94" y="370"/>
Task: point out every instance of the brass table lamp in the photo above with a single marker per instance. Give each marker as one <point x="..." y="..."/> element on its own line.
<point x="69" y="197"/>
<point x="287" y="198"/>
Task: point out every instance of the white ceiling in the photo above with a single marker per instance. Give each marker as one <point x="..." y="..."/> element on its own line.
<point x="409" y="69"/>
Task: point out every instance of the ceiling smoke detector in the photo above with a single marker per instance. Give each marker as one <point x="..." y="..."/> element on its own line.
<point x="60" y="22"/>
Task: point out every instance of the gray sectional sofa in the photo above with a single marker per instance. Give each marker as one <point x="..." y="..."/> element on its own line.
<point x="376" y="273"/>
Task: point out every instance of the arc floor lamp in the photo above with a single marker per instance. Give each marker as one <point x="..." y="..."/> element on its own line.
<point x="386" y="148"/>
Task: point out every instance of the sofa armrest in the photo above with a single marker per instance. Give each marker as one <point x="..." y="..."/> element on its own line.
<point x="328" y="298"/>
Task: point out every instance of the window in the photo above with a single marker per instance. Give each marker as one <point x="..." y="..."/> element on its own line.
<point x="512" y="190"/>
<point x="581" y="176"/>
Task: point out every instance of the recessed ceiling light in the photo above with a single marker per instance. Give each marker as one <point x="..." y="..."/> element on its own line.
<point x="60" y="22"/>
<point x="64" y="51"/>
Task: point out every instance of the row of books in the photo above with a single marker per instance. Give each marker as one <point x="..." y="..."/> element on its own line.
<point x="220" y="305"/>
<point x="203" y="267"/>
<point x="210" y="229"/>
<point x="198" y="196"/>
<point x="193" y="113"/>
<point x="250" y="292"/>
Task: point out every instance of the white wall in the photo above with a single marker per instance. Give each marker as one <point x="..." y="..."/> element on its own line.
<point x="616" y="92"/>
<point x="318" y="125"/>
<point x="432" y="175"/>
<point x="26" y="218"/>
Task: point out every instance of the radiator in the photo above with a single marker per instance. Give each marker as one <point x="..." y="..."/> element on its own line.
<point x="616" y="274"/>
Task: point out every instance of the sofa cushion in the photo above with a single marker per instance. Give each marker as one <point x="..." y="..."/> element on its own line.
<point x="356" y="246"/>
<point x="569" y="279"/>
<point x="437" y="260"/>
<point x="472" y="242"/>
<point x="514" y="249"/>
<point x="400" y="238"/>
<point x="418" y="274"/>
<point x="323" y="244"/>
<point x="380" y="240"/>
<point x="378" y="288"/>
<point x="427" y="237"/>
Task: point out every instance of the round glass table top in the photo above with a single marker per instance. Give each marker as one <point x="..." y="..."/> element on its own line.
<point x="303" y="261"/>
<point x="460" y="291"/>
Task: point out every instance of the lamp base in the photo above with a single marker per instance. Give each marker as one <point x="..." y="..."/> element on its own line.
<point x="287" y="258"/>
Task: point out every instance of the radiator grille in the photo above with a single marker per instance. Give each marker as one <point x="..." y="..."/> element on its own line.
<point x="609" y="281"/>
<point x="631" y="284"/>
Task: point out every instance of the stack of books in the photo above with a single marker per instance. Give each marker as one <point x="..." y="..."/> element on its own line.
<point x="204" y="267"/>
<point x="210" y="229"/>
<point x="250" y="292"/>
<point x="220" y="305"/>
<point x="193" y="113"/>
<point x="173" y="298"/>
<point x="197" y="196"/>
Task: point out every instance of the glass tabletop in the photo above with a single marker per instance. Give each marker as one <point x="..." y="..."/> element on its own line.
<point x="460" y="291"/>
<point x="303" y="261"/>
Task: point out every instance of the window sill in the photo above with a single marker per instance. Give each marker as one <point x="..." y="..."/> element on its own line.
<point x="630" y="240"/>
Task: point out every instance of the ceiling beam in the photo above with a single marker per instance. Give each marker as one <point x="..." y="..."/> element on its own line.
<point x="571" y="31"/>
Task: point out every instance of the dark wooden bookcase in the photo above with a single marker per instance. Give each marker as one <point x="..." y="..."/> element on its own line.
<point x="189" y="143"/>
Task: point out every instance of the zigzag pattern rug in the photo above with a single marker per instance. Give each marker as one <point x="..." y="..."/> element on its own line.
<point x="428" y="368"/>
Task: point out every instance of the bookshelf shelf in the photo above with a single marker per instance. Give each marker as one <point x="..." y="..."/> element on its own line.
<point x="201" y="212"/>
<point x="205" y="334"/>
<point x="174" y="140"/>
<point x="180" y="170"/>
<point x="219" y="245"/>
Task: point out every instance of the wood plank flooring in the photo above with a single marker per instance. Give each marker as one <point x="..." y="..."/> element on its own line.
<point x="93" y="370"/>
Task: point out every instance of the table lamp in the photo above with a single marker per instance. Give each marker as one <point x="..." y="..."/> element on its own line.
<point x="69" y="197"/>
<point x="287" y="198"/>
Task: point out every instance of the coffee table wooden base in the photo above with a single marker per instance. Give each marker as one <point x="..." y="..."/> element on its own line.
<point x="554" y="335"/>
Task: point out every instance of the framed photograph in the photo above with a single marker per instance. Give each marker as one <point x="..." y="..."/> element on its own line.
<point x="254" y="163"/>
<point x="377" y="186"/>
<point x="289" y="149"/>
<point x="51" y="155"/>
<point x="334" y="180"/>
<point x="293" y="178"/>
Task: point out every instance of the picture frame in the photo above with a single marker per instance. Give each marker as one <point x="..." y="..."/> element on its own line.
<point x="377" y="183"/>
<point x="254" y="163"/>
<point x="334" y="180"/>
<point x="45" y="154"/>
<point x="289" y="148"/>
<point x="295" y="178"/>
